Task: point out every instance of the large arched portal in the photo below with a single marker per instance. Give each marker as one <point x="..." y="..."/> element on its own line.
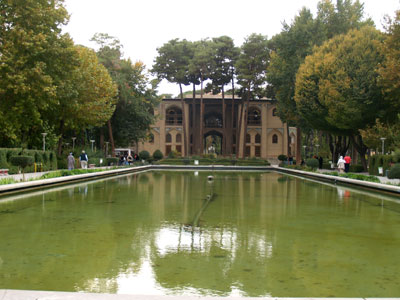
<point x="213" y="141"/>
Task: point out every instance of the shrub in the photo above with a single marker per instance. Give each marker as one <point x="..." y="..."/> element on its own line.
<point x="356" y="168"/>
<point x="282" y="157"/>
<point x="326" y="166"/>
<point x="172" y="154"/>
<point x="112" y="161"/>
<point x="233" y="161"/>
<point x="145" y="155"/>
<point x="312" y="163"/>
<point x="157" y="155"/>
<point x="186" y="160"/>
<point x="210" y="155"/>
<point x="394" y="172"/>
<point x="396" y="156"/>
<point x="22" y="161"/>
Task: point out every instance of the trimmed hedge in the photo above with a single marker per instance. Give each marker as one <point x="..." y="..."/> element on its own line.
<point x="377" y="161"/>
<point x="312" y="163"/>
<point x="394" y="172"/>
<point x="48" y="159"/>
<point x="144" y="155"/>
<point x="112" y="161"/>
<point x="356" y="168"/>
<point x="208" y="161"/>
<point x="157" y="155"/>
<point x="22" y="161"/>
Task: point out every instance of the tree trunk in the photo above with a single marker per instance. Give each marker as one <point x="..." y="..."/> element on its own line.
<point x="194" y="121"/>
<point x="60" y="140"/>
<point x="233" y="115"/>
<point x="239" y="129"/>
<point x="101" y="138"/>
<point x="361" y="149"/>
<point x="246" y="113"/>
<point x="110" y="133"/>
<point x="288" y="140"/>
<point x="223" y="150"/>
<point x="183" y="122"/>
<point x="298" y="146"/>
<point x="201" y="117"/>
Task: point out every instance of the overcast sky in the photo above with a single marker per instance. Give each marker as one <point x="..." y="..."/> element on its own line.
<point x="144" y="25"/>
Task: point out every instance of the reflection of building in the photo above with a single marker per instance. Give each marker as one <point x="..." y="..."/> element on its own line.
<point x="266" y="136"/>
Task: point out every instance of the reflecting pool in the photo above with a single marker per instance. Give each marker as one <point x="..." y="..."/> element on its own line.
<point x="178" y="233"/>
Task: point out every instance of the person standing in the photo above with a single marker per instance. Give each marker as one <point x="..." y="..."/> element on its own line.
<point x="83" y="158"/>
<point x="320" y="162"/>
<point x="347" y="160"/>
<point x="340" y="164"/>
<point x="71" y="161"/>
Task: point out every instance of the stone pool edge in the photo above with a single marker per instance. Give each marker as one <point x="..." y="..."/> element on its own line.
<point x="44" y="183"/>
<point x="392" y="189"/>
<point x="47" y="295"/>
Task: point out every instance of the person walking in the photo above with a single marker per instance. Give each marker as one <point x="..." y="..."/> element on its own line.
<point x="340" y="164"/>
<point x="347" y="160"/>
<point x="71" y="161"/>
<point x="83" y="158"/>
<point x="320" y="162"/>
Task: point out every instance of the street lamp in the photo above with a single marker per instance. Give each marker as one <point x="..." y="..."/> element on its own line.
<point x="383" y="145"/>
<point x="92" y="141"/>
<point x="304" y="146"/>
<point x="44" y="140"/>
<point x="73" y="143"/>
<point x="107" y="147"/>
<point x="317" y="148"/>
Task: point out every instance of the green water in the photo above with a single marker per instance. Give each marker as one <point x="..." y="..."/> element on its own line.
<point x="262" y="234"/>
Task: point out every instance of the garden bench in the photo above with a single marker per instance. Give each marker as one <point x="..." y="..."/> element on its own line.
<point x="4" y="172"/>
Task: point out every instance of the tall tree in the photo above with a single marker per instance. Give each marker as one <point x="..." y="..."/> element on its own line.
<point x="202" y="64"/>
<point x="135" y="109"/>
<point x="296" y="41"/>
<point x="35" y="58"/>
<point x="251" y="67"/>
<point x="337" y="89"/>
<point x="109" y="55"/>
<point x="389" y="71"/>
<point x="224" y="54"/>
<point x="172" y="64"/>
<point x="90" y="99"/>
<point x="136" y="98"/>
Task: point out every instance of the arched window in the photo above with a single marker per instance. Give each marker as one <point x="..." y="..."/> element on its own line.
<point x="178" y="138"/>
<point x="254" y="117"/>
<point x="168" y="138"/>
<point x="274" y="139"/>
<point x="174" y="116"/>
<point x="248" y="138"/>
<point x="274" y="112"/>
<point x="258" y="139"/>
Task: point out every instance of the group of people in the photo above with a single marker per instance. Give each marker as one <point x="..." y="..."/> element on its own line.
<point x="83" y="159"/>
<point x="343" y="164"/>
<point x="127" y="159"/>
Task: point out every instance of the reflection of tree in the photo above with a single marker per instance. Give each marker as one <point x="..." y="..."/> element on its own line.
<point x="256" y="236"/>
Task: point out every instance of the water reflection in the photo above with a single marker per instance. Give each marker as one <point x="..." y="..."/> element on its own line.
<point x="264" y="234"/>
